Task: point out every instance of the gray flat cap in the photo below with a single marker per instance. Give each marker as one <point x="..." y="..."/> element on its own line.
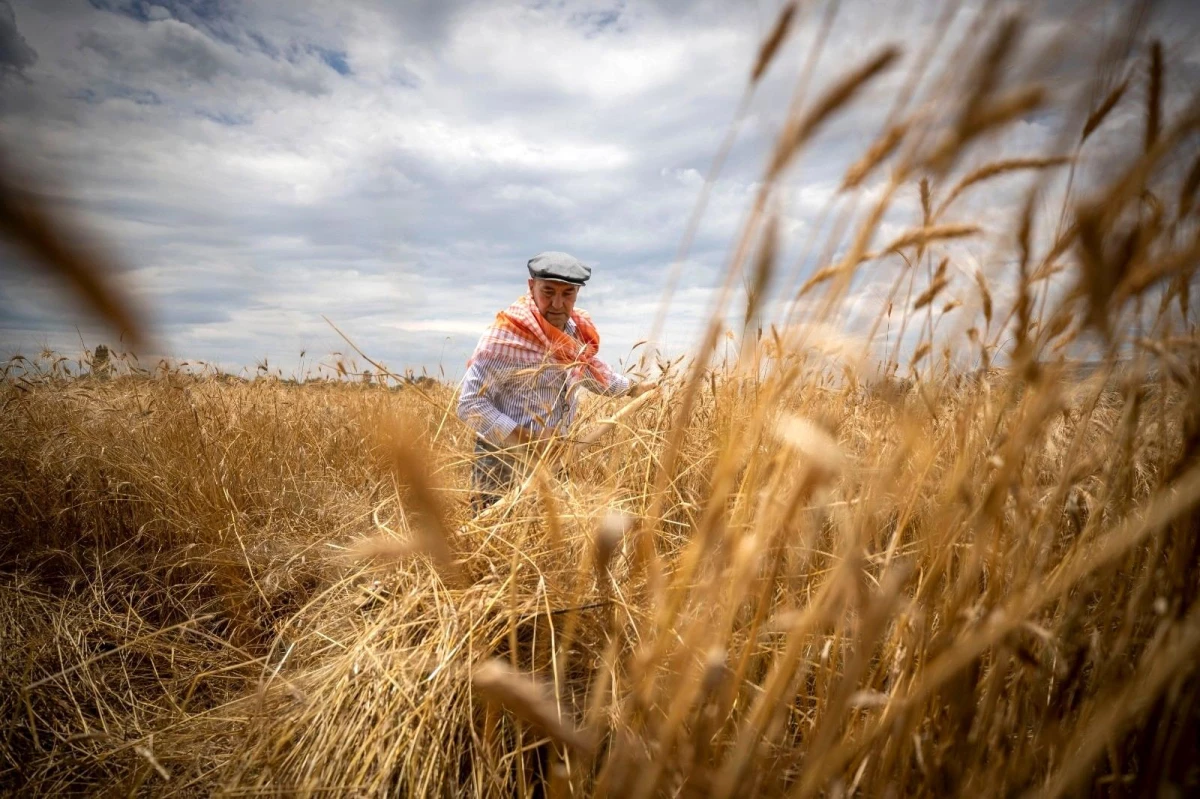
<point x="559" y="266"/>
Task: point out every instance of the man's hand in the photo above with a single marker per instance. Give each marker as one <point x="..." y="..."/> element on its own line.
<point x="638" y="389"/>
<point x="530" y="444"/>
<point x="524" y="437"/>
<point x="520" y="436"/>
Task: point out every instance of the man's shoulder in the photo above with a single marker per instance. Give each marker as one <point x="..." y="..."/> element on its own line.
<point x="584" y="317"/>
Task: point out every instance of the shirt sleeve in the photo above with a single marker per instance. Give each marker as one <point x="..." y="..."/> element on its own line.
<point x="617" y="384"/>
<point x="476" y="409"/>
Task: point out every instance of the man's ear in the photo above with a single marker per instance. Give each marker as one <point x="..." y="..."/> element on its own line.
<point x="531" y="285"/>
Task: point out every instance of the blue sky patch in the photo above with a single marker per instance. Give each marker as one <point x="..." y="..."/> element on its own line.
<point x="334" y="59"/>
<point x="227" y="118"/>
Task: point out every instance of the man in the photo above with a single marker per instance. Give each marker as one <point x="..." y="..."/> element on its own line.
<point x="522" y="382"/>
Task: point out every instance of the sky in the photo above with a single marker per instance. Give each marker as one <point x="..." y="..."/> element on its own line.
<point x="256" y="168"/>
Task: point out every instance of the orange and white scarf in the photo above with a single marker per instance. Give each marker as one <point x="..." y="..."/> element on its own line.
<point x="522" y="336"/>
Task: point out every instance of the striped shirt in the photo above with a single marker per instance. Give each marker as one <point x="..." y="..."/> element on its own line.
<point x="499" y="395"/>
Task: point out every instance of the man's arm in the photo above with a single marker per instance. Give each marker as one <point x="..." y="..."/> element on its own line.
<point x="616" y="384"/>
<point x="478" y="411"/>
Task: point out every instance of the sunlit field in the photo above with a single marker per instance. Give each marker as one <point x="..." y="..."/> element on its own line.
<point x="953" y="551"/>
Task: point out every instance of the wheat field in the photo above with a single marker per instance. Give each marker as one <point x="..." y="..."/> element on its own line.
<point x="954" y="560"/>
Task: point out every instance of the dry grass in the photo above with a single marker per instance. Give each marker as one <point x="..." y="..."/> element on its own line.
<point x="782" y="576"/>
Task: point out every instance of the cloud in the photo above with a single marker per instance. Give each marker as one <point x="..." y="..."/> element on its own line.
<point x="464" y="327"/>
<point x="393" y="165"/>
<point x="15" y="53"/>
<point x="166" y="43"/>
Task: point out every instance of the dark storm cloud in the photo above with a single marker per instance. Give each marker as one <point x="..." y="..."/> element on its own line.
<point x="175" y="46"/>
<point x="15" y="53"/>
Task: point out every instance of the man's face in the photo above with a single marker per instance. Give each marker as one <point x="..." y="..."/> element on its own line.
<point x="554" y="300"/>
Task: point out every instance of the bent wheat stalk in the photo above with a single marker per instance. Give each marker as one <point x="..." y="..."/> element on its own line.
<point x="577" y="448"/>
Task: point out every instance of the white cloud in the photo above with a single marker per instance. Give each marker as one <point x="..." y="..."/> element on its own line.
<point x="459" y="326"/>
